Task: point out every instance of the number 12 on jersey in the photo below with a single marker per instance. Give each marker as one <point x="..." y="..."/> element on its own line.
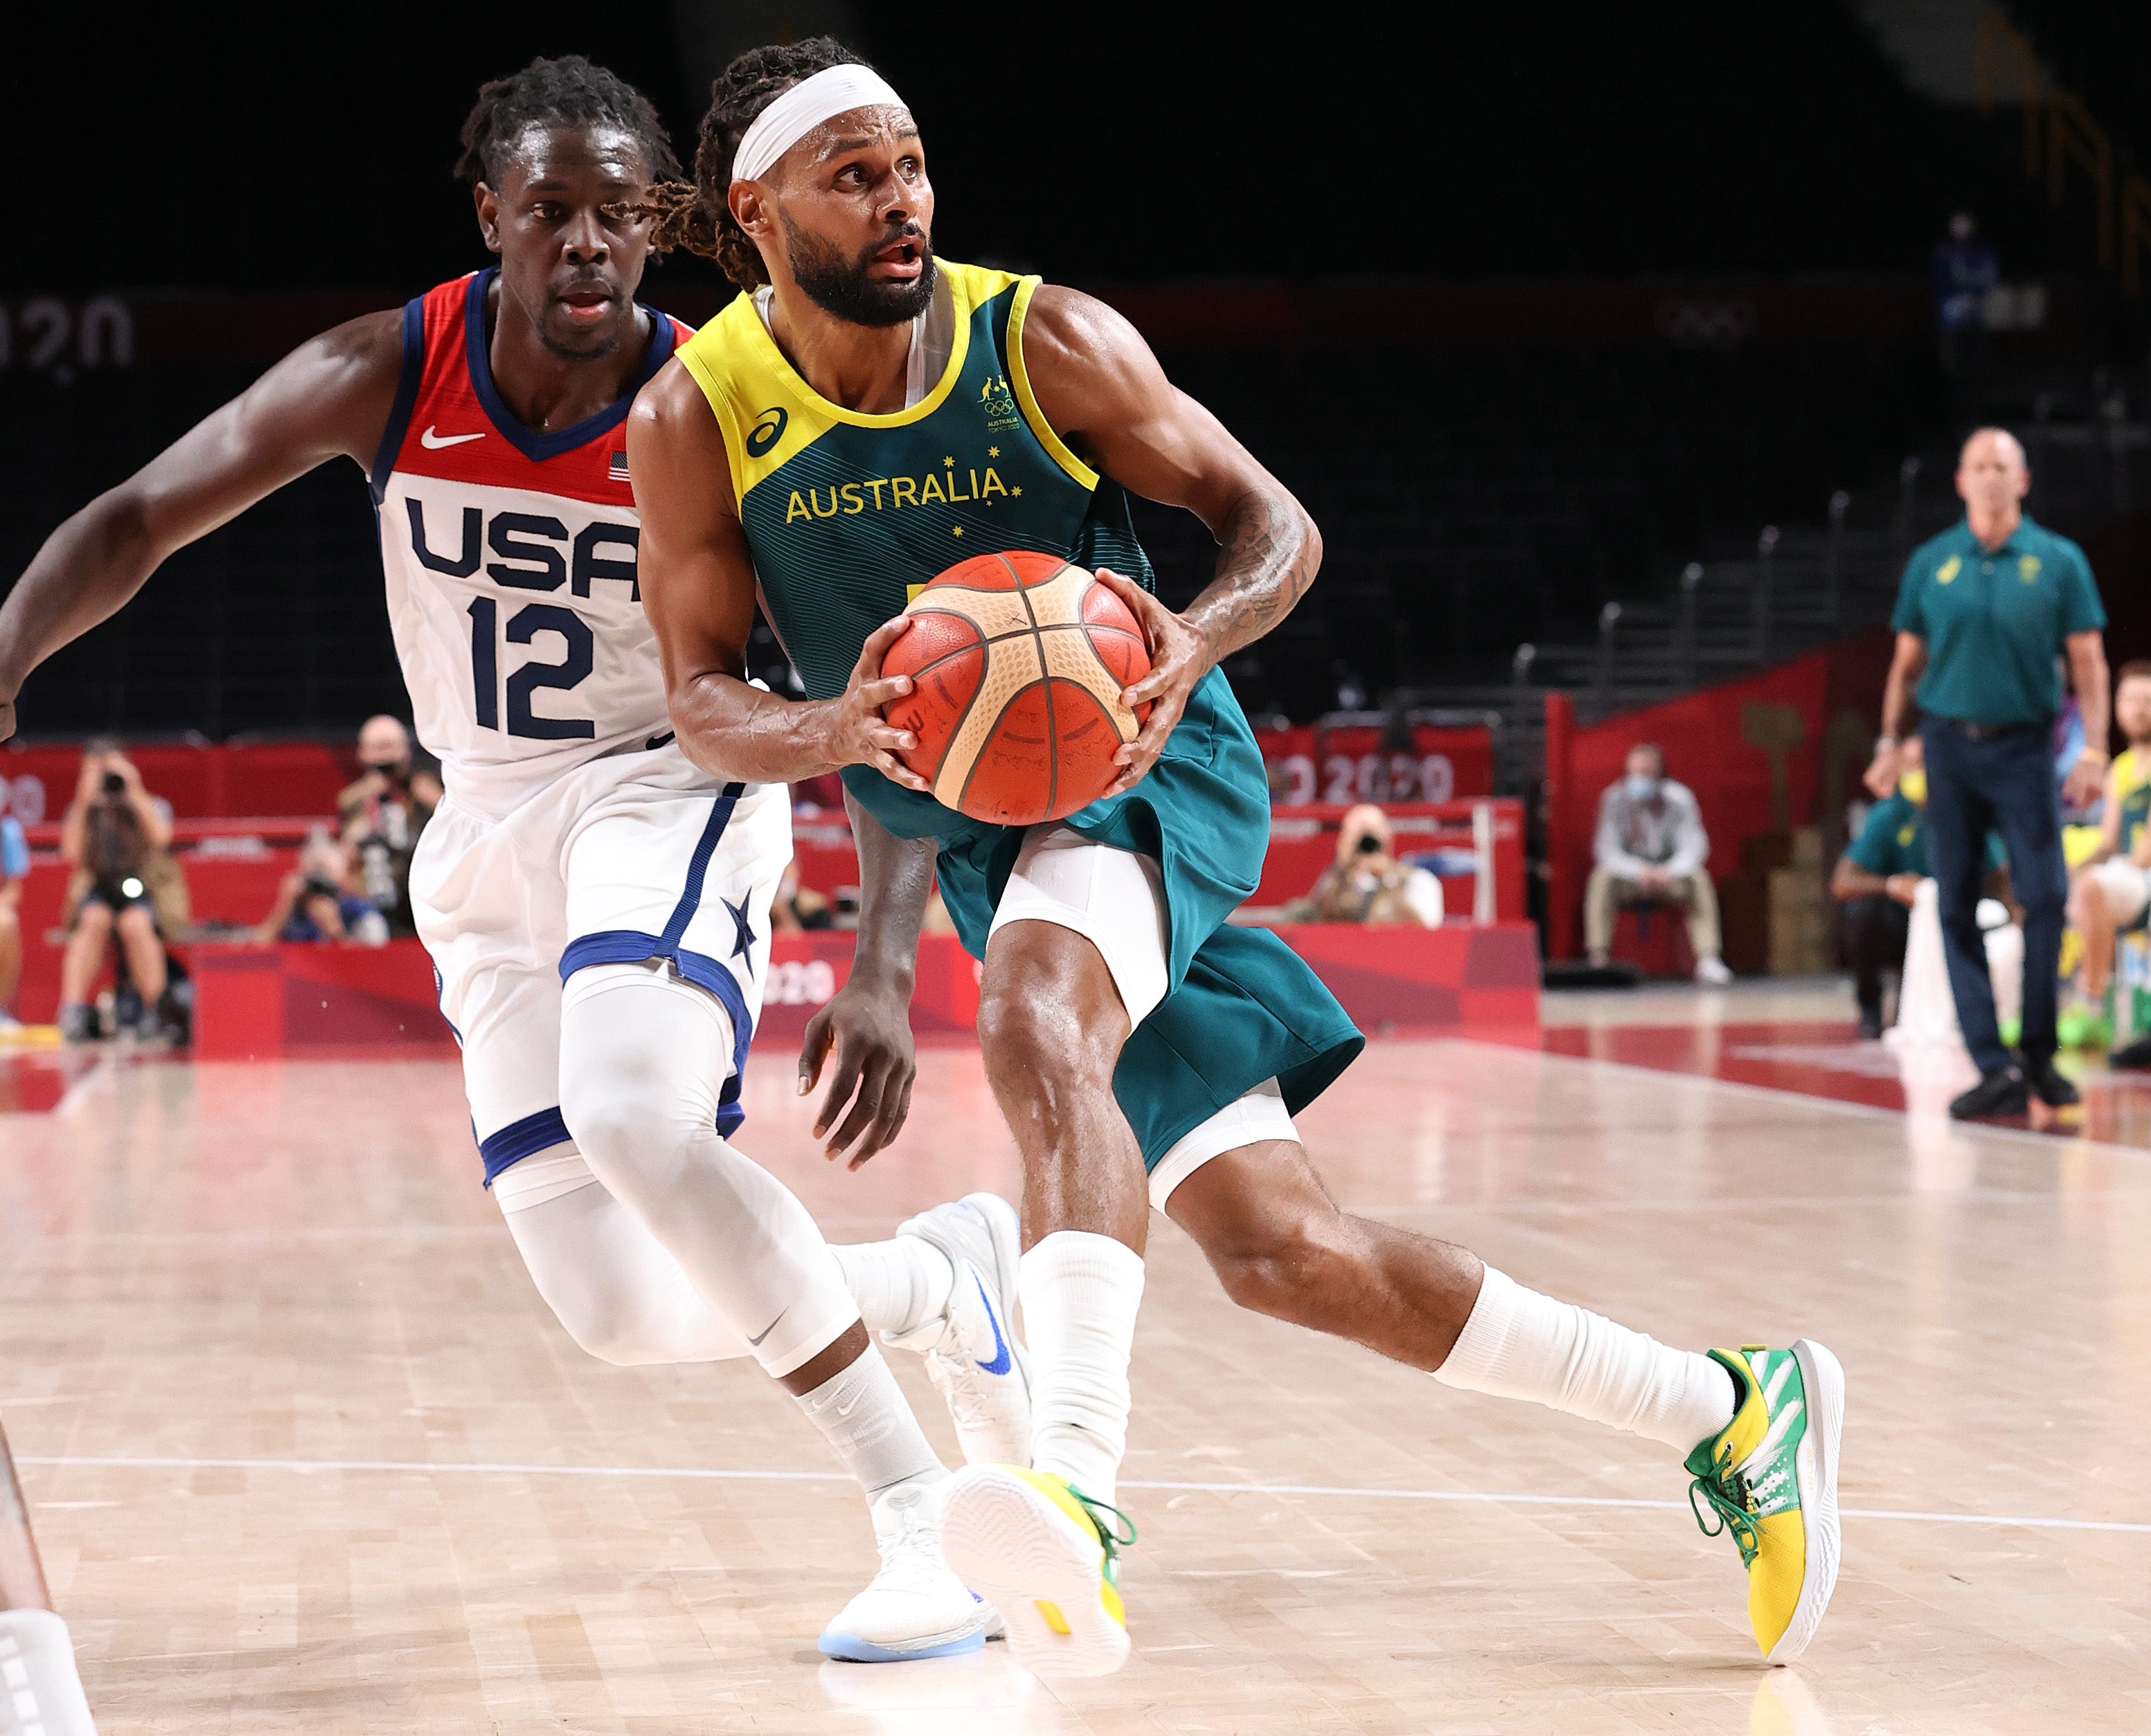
<point x="523" y="626"/>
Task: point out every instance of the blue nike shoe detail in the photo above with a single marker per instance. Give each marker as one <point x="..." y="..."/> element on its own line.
<point x="1002" y="1362"/>
<point x="851" y="1648"/>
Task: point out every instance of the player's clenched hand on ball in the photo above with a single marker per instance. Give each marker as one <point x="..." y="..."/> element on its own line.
<point x="1179" y="658"/>
<point x="858" y="734"/>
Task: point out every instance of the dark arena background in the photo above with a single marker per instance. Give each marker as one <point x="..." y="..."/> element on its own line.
<point x="1624" y="358"/>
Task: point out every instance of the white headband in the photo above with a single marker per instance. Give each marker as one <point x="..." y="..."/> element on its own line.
<point x="793" y="115"/>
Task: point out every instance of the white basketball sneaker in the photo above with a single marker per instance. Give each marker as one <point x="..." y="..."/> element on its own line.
<point x="971" y="1352"/>
<point x="915" y="1606"/>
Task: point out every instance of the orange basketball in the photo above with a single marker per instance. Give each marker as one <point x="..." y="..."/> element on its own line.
<point x="1018" y="662"/>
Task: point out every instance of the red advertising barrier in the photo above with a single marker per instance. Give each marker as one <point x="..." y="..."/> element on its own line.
<point x="221" y="887"/>
<point x="201" y="782"/>
<point x="1778" y="749"/>
<point x="254" y="1002"/>
<point x="1344" y="759"/>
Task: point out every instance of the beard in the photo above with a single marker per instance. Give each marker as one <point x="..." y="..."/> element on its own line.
<point x="841" y="286"/>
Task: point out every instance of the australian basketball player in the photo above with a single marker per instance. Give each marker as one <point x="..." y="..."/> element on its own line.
<point x="861" y="418"/>
<point x="596" y="906"/>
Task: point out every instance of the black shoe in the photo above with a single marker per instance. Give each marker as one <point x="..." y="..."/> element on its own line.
<point x="2050" y="1086"/>
<point x="2000" y="1092"/>
<point x="2133" y="1057"/>
<point x="1871" y="1026"/>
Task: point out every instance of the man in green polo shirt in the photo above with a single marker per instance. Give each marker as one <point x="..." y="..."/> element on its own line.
<point x="1984" y="610"/>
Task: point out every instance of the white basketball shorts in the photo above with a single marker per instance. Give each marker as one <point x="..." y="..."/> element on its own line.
<point x="2125" y="886"/>
<point x="633" y="857"/>
<point x="1115" y="900"/>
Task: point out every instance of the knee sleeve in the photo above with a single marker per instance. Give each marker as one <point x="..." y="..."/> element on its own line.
<point x="644" y="1058"/>
<point x="617" y="1292"/>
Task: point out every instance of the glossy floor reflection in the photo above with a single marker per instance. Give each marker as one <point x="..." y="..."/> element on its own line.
<point x="308" y="1454"/>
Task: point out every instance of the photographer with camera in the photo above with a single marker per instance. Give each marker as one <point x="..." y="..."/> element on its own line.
<point x="116" y="837"/>
<point x="382" y="815"/>
<point x="319" y="902"/>
<point x="1366" y="884"/>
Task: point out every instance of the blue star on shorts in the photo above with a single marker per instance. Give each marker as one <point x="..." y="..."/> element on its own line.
<point x="743" y="936"/>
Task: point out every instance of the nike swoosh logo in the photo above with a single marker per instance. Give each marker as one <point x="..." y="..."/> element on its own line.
<point x="434" y="443"/>
<point x="1002" y="1362"/>
<point x="767" y="1330"/>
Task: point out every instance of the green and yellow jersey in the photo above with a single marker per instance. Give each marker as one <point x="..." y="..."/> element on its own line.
<point x="847" y="514"/>
<point x="2129" y="784"/>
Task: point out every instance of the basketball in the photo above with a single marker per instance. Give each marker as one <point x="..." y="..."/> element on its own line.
<point x="1018" y="662"/>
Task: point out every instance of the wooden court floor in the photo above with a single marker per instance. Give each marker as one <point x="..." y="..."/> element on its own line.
<point x="306" y="1453"/>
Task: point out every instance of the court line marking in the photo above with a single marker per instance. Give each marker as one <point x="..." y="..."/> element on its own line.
<point x="705" y="1474"/>
<point x="1780" y="1093"/>
<point x="106" y="1067"/>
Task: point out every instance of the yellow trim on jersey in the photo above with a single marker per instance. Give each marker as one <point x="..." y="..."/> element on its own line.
<point x="1032" y="414"/>
<point x="746" y="376"/>
<point x="2130" y="770"/>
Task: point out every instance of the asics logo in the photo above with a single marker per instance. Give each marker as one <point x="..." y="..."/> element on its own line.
<point x="1002" y="1362"/>
<point x="767" y="431"/>
<point x="435" y="443"/>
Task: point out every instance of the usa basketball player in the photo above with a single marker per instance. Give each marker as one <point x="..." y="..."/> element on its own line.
<point x="596" y="905"/>
<point x="1146" y="1052"/>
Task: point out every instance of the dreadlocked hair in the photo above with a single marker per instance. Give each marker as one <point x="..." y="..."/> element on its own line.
<point x="571" y="92"/>
<point x="695" y="215"/>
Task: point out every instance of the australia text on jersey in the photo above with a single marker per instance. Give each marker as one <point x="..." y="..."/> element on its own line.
<point x="852" y="498"/>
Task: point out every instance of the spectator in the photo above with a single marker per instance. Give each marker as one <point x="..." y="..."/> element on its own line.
<point x="14" y="869"/>
<point x="1366" y="884"/>
<point x="1965" y="269"/>
<point x="115" y="836"/>
<point x="1982" y="612"/>
<point x="2110" y="889"/>
<point x="1650" y="849"/>
<point x="796" y="908"/>
<point x="1877" y="880"/>
<point x="381" y="816"/>
<point x="318" y="901"/>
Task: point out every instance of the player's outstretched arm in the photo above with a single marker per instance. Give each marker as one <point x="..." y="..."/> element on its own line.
<point x="328" y="398"/>
<point x="1103" y="393"/>
<point x="697" y="583"/>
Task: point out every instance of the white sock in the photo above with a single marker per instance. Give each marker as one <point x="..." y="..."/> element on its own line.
<point x="899" y="1284"/>
<point x="863" y="1413"/>
<point x="1519" y="1345"/>
<point x="39" y="1689"/>
<point x="1081" y="1293"/>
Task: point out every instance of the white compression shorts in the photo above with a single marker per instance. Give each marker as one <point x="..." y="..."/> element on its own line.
<point x="1115" y="900"/>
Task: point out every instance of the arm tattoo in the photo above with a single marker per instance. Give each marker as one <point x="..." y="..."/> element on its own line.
<point x="1269" y="557"/>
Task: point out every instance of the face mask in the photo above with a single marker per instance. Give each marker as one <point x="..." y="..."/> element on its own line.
<point x="1641" y="788"/>
<point x="1913" y="788"/>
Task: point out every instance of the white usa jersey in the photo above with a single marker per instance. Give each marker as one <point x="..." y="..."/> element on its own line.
<point x="510" y="561"/>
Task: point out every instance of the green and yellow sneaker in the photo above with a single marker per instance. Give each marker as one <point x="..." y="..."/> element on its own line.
<point x="1039" y="1550"/>
<point x="1770" y="1478"/>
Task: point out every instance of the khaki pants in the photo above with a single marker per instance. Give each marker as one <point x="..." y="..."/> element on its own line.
<point x="1608" y="892"/>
